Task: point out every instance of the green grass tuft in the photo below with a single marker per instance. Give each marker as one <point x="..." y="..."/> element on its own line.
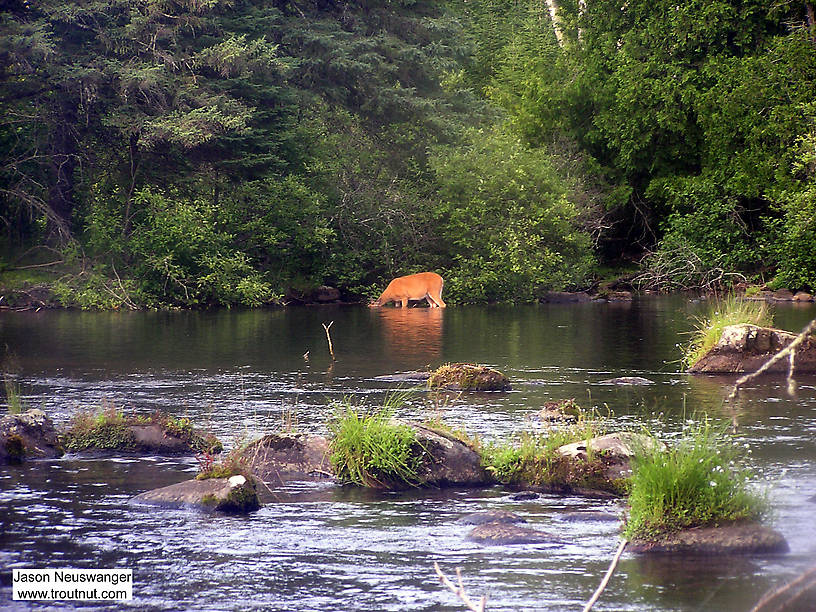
<point x="369" y="449"/>
<point x="14" y="401"/>
<point x="731" y="310"/>
<point x="697" y="483"/>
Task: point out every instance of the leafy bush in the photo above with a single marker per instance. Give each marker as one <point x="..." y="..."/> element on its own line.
<point x="697" y="483"/>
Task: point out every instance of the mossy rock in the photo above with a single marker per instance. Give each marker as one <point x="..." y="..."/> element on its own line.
<point x="509" y="534"/>
<point x="110" y="432"/>
<point x="28" y="435"/>
<point x="745" y="348"/>
<point x="734" y="539"/>
<point x="468" y="377"/>
<point x="234" y="495"/>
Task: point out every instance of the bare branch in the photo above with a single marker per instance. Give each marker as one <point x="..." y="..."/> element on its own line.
<point x="459" y="591"/>
<point x="780" y="355"/>
<point x="597" y="594"/>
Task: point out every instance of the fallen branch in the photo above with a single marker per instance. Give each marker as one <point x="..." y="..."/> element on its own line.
<point x="328" y="337"/>
<point x="459" y="591"/>
<point x="789" y="351"/>
<point x="781" y="598"/>
<point x="597" y="594"/>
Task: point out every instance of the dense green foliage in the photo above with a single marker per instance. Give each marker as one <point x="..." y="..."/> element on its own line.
<point x="697" y="117"/>
<point x="696" y="483"/>
<point x="229" y="152"/>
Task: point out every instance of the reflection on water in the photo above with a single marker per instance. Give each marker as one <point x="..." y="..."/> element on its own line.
<point x="310" y="548"/>
<point x="408" y="332"/>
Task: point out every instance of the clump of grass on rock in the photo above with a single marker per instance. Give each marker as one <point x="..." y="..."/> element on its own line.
<point x="697" y="483"/>
<point x="533" y="459"/>
<point x="370" y="449"/>
<point x="109" y="429"/>
<point x="468" y="377"/>
<point x="732" y="310"/>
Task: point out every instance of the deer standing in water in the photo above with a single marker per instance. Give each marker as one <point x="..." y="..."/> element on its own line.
<point x="422" y="286"/>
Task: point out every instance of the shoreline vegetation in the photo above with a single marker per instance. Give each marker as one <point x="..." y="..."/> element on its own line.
<point x="19" y="293"/>
<point x="272" y="151"/>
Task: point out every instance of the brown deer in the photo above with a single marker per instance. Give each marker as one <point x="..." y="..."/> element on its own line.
<point x="422" y="286"/>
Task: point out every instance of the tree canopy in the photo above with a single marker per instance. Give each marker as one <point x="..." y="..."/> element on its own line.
<point x="202" y="152"/>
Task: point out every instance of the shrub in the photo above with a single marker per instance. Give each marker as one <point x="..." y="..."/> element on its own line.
<point x="506" y="221"/>
<point x="697" y="483"/>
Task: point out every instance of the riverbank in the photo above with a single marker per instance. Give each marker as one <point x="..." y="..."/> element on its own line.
<point x="36" y="290"/>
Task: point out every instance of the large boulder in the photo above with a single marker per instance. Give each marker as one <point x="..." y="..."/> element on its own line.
<point x="278" y="458"/>
<point x="741" y="539"/>
<point x="26" y="436"/>
<point x="616" y="449"/>
<point x="745" y="348"/>
<point x="448" y="460"/>
<point x="234" y="495"/>
<point x="468" y="377"/>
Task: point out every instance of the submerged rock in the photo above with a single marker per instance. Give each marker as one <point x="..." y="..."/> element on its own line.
<point x="234" y="495"/>
<point x="565" y="297"/>
<point x="492" y="516"/>
<point x="627" y="380"/>
<point x="27" y="436"/>
<point x="468" y="377"/>
<point x="524" y="496"/>
<point x="405" y="377"/>
<point x="589" y="515"/>
<point x="741" y="539"/>
<point x="278" y="458"/>
<point x="508" y="534"/>
<point x="745" y="348"/>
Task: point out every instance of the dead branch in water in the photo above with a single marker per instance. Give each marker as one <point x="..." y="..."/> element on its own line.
<point x="459" y="591"/>
<point x="781" y="598"/>
<point x="328" y="337"/>
<point x="789" y="351"/>
<point x="597" y="594"/>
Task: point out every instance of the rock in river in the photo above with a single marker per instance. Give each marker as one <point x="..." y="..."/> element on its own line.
<point x="504" y="533"/>
<point x="278" y="458"/>
<point x="617" y="448"/>
<point x="449" y="461"/>
<point x="742" y="539"/>
<point x="627" y="380"/>
<point x="745" y="348"/>
<point x="26" y="436"/>
<point x="234" y="495"/>
<point x="468" y="377"/>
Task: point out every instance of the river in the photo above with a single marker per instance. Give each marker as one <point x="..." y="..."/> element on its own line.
<point x="245" y="373"/>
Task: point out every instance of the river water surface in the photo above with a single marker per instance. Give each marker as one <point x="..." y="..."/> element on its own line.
<point x="243" y="373"/>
